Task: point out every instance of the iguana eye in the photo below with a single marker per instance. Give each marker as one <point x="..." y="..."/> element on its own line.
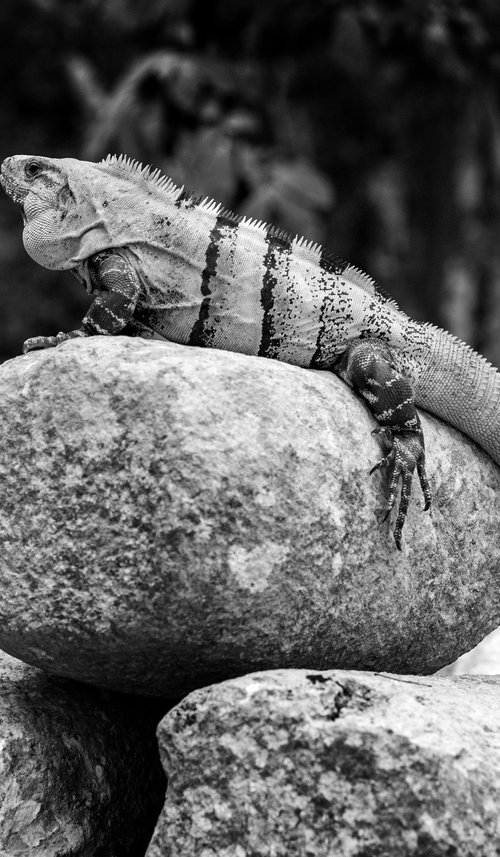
<point x="32" y="169"/>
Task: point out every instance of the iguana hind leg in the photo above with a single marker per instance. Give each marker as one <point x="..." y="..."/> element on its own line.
<point x="117" y="286"/>
<point x="368" y="366"/>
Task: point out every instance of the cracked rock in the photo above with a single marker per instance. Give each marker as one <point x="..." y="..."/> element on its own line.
<point x="304" y="764"/>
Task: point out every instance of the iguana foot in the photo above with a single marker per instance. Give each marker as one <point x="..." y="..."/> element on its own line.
<point x="405" y="451"/>
<point x="36" y="343"/>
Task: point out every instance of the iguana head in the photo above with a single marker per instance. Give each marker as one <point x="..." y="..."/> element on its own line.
<point x="62" y="221"/>
<point x="32" y="182"/>
<point x="73" y="209"/>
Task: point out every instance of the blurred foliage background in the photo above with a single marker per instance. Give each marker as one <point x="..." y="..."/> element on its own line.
<point x="370" y="125"/>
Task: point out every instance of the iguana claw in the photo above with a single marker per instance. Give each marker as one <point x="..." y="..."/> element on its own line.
<point x="406" y="452"/>
<point x="37" y="343"/>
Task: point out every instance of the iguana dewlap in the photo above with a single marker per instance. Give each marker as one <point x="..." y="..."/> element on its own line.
<point x="158" y="260"/>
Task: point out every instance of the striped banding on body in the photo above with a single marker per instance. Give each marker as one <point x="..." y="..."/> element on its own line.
<point x="275" y="283"/>
<point x="265" y="293"/>
<point x="202" y="332"/>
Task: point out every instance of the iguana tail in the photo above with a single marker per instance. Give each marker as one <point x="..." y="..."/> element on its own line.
<point x="461" y="387"/>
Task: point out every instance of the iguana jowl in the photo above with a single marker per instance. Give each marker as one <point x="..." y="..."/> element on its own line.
<point x="159" y="260"/>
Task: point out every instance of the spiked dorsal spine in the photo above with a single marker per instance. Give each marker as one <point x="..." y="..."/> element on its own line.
<point x="136" y="171"/>
<point x="123" y="165"/>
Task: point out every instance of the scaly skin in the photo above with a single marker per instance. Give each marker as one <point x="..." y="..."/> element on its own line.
<point x="158" y="260"/>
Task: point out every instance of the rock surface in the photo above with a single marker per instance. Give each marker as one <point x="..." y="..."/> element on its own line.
<point x="175" y="516"/>
<point x="306" y="764"/>
<point x="79" y="769"/>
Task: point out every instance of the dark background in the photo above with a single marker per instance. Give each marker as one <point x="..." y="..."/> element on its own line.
<point x="371" y="126"/>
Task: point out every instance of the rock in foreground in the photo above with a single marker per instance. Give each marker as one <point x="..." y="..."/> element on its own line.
<point x="307" y="764"/>
<point x="175" y="516"/>
<point x="79" y="773"/>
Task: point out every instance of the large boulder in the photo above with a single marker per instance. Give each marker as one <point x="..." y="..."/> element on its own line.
<point x="306" y="764"/>
<point x="173" y="516"/>
<point x="79" y="768"/>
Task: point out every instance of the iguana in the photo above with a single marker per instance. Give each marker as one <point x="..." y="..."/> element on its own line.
<point x="157" y="259"/>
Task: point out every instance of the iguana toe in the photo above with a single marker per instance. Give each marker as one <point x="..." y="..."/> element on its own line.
<point x="36" y="343"/>
<point x="406" y="454"/>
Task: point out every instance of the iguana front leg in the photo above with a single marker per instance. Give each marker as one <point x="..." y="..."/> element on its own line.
<point x="368" y="366"/>
<point x="118" y="288"/>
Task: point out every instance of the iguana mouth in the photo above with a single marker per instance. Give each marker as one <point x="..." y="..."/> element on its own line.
<point x="15" y="191"/>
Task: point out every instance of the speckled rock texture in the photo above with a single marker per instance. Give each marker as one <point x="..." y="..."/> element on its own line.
<point x="79" y="769"/>
<point x="175" y="516"/>
<point x="335" y="764"/>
